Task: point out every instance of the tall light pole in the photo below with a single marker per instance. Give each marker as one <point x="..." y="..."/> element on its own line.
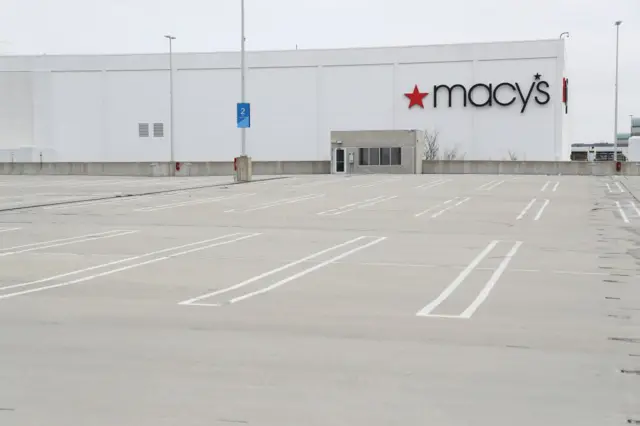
<point x="243" y="93"/>
<point x="172" y="167"/>
<point x="615" y="115"/>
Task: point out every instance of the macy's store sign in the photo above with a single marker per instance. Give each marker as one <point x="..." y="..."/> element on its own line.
<point x="485" y="95"/>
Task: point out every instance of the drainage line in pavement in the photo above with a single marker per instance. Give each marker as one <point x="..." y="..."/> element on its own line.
<point x="144" y="194"/>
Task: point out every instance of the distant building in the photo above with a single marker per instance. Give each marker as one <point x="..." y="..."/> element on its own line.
<point x="635" y="126"/>
<point x="485" y="100"/>
<point x="603" y="150"/>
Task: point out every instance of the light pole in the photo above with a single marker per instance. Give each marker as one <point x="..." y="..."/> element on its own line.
<point x="243" y="94"/>
<point x="566" y="33"/>
<point x="615" y="115"/>
<point x="172" y="167"/>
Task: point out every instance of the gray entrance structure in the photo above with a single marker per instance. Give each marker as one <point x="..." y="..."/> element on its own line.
<point x="377" y="151"/>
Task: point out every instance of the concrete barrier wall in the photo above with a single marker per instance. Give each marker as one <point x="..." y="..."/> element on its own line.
<point x="163" y="168"/>
<point x="317" y="167"/>
<point x="529" y="168"/>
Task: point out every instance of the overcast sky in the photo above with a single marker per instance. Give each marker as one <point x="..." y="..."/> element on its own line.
<point x="132" y="26"/>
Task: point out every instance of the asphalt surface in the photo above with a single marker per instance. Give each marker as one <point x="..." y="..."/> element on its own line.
<point x="320" y="300"/>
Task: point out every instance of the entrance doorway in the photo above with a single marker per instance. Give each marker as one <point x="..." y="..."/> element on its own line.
<point x="339" y="166"/>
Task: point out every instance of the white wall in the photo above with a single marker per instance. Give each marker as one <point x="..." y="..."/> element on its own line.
<point x="132" y="97"/>
<point x="16" y="109"/>
<point x="76" y="122"/>
<point x="204" y="114"/>
<point x="87" y="108"/>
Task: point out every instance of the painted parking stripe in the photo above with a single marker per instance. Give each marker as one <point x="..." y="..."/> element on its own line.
<point x="62" y="242"/>
<point x="427" y="311"/>
<point x="172" y="253"/>
<point x="9" y="229"/>
<point x="196" y="301"/>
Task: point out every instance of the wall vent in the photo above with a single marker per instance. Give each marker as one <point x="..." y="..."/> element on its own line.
<point x="143" y="130"/>
<point x="158" y="130"/>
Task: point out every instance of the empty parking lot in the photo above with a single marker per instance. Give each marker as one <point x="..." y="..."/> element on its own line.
<point x="319" y="300"/>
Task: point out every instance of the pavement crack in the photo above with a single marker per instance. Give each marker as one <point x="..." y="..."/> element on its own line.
<point x="625" y="339"/>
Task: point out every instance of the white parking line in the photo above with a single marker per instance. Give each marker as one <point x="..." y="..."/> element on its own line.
<point x="124" y="268"/>
<point x="305" y="272"/>
<point x="171" y="181"/>
<point x="23" y="184"/>
<point x="318" y="183"/>
<point x="433" y="184"/>
<point x="634" y="207"/>
<point x="97" y="183"/>
<point x="546" y="185"/>
<point x="9" y="229"/>
<point x="620" y="188"/>
<point x="280" y="202"/>
<point x="526" y="209"/>
<point x="544" y="206"/>
<point x="357" y="205"/>
<point x="622" y="213"/>
<point x="192" y="202"/>
<point x="459" y="279"/>
<point x="351" y="205"/>
<point x="62" y="242"/>
<point x="268" y="273"/>
<point x="377" y="182"/>
<point x="484" y="293"/>
<point x="450" y="207"/>
<point x="12" y="197"/>
<point x="390" y="197"/>
<point x="195" y="300"/>
<point x="37" y="201"/>
<point x="82" y="204"/>
<point x="434" y="207"/>
<point x="117" y="262"/>
<point x="490" y="185"/>
<point x="74" y="183"/>
<point x="485" y="184"/>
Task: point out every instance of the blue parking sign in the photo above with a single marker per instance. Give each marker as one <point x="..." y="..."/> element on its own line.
<point x="244" y="115"/>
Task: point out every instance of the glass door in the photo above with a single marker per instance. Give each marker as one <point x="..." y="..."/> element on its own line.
<point x="339" y="160"/>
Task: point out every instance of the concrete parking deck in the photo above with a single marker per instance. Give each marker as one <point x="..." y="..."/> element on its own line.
<point x="320" y="300"/>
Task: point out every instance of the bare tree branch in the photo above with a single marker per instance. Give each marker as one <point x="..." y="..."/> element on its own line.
<point x="451" y="154"/>
<point x="513" y="156"/>
<point x="431" y="145"/>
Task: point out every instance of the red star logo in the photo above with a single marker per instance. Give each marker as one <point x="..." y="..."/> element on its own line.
<point x="416" y="97"/>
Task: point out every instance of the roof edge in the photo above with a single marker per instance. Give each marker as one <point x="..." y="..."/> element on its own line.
<point x="328" y="49"/>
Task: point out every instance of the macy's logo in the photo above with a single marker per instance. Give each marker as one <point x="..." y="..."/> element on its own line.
<point x="486" y="95"/>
